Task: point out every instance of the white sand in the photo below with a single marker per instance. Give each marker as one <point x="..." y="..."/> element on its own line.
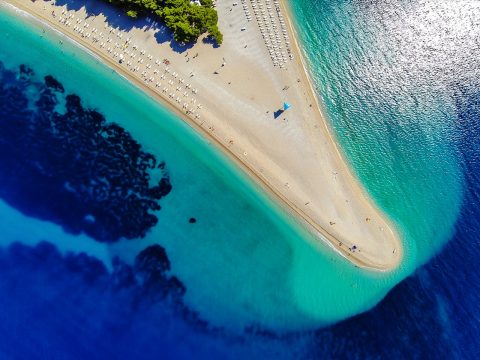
<point x="294" y="157"/>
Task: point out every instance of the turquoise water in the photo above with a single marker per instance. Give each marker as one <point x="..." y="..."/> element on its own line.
<point x="399" y="81"/>
<point x="391" y="108"/>
<point x="242" y="244"/>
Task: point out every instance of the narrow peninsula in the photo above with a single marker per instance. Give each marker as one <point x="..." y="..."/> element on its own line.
<point x="252" y="97"/>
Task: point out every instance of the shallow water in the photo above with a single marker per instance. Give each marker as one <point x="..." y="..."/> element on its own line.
<point x="410" y="137"/>
<point x="399" y="82"/>
<point x="280" y="280"/>
<point x="392" y="105"/>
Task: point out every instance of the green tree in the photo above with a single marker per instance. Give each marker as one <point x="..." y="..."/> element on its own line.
<point x="187" y="20"/>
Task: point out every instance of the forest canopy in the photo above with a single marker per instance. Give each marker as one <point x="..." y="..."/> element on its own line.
<point x="187" y="19"/>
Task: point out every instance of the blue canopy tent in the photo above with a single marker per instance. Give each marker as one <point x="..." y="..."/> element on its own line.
<point x="286" y="106"/>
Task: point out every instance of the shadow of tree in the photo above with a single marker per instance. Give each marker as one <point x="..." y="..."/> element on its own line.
<point x="210" y="40"/>
<point x="164" y="34"/>
<point x="119" y="20"/>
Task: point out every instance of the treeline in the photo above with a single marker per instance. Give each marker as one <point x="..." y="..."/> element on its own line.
<point x="187" y="20"/>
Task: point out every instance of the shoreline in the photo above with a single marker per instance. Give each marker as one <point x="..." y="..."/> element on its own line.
<point x="258" y="178"/>
<point x="329" y="130"/>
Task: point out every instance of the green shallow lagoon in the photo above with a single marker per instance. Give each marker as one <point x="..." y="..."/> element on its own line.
<point x="244" y="261"/>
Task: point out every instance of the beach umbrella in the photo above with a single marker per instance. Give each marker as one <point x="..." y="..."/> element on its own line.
<point x="286" y="106"/>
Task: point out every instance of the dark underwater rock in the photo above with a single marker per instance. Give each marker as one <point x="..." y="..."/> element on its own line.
<point x="74" y="169"/>
<point x="54" y="84"/>
<point x="25" y="73"/>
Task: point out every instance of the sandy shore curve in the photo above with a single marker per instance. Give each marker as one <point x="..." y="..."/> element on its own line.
<point x="234" y="96"/>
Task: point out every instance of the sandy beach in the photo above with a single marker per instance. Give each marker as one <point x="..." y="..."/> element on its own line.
<point x="233" y="95"/>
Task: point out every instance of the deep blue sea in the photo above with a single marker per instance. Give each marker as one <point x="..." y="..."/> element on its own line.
<point x="124" y="235"/>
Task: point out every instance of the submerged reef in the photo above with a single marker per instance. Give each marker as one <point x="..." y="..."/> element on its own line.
<point x="64" y="163"/>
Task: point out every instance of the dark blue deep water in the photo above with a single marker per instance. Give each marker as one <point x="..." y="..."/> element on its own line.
<point x="64" y="163"/>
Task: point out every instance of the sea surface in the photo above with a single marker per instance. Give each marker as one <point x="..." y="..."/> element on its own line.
<point x="127" y="235"/>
